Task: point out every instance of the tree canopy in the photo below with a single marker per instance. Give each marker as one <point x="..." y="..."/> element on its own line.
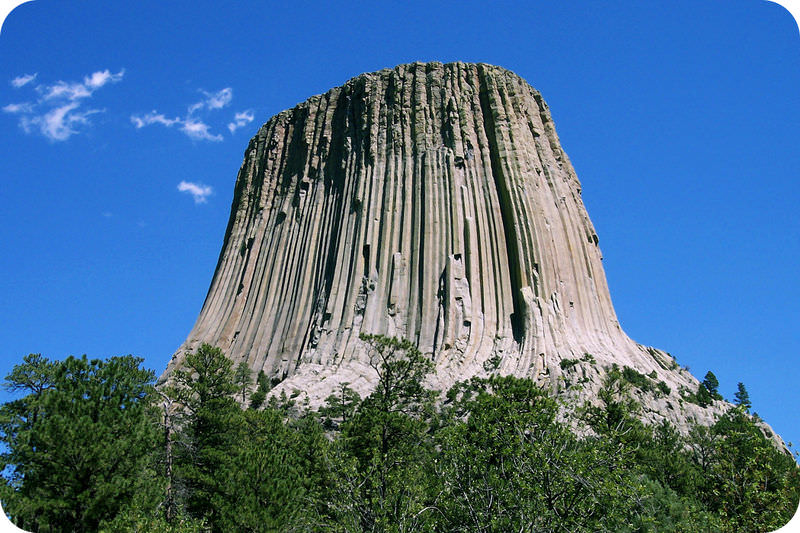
<point x="90" y="445"/>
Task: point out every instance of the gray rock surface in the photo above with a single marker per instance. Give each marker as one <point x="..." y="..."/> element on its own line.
<point x="429" y="201"/>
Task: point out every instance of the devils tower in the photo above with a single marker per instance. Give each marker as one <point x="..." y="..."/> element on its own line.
<point x="432" y="202"/>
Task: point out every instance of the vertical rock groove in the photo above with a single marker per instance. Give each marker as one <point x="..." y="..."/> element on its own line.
<point x="506" y="211"/>
<point x="428" y="201"/>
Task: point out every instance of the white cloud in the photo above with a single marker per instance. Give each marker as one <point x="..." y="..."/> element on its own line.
<point x="58" y="123"/>
<point x="191" y="125"/>
<point x="100" y="78"/>
<point x="25" y="79"/>
<point x="153" y="118"/>
<point x="194" y="128"/>
<point x="240" y="119"/>
<point x="199" y="192"/>
<point x="68" y="91"/>
<point x="75" y="90"/>
<point x="57" y="113"/>
<point x="198" y="130"/>
<point x="220" y="99"/>
<point x="217" y="100"/>
<point x="24" y="107"/>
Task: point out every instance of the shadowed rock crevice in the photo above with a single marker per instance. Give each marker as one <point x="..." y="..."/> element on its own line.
<point x="506" y="213"/>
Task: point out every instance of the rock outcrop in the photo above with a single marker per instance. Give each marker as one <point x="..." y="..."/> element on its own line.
<point x="429" y="201"/>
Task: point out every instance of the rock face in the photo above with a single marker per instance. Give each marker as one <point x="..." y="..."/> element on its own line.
<point x="432" y="202"/>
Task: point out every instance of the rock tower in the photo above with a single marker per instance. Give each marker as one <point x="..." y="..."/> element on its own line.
<point x="432" y="202"/>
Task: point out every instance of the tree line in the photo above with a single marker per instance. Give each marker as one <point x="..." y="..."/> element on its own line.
<point x="92" y="445"/>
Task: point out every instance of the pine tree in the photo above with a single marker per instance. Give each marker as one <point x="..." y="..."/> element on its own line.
<point x="711" y="383"/>
<point x="260" y="395"/>
<point x="384" y="446"/>
<point x="243" y="377"/>
<point x="742" y="398"/>
<point x="79" y="444"/>
<point x="212" y="426"/>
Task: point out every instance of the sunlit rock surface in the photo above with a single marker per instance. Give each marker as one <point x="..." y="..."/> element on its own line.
<point x="429" y="201"/>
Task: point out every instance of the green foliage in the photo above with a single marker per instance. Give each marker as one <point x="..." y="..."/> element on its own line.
<point x="241" y="470"/>
<point x="493" y="363"/>
<point x="78" y="443"/>
<point x="657" y="509"/>
<point x="742" y="397"/>
<point x="267" y="477"/>
<point x="706" y="392"/>
<point x="512" y="466"/>
<point x="260" y="395"/>
<point x="711" y="383"/>
<point x="401" y="369"/>
<point x="243" y="378"/>
<point x="384" y="451"/>
<point x="703" y="396"/>
<point x="339" y="407"/>
<point x="663" y="388"/>
<point x="497" y="454"/>
<point x="750" y="484"/>
<point x="615" y="416"/>
<point x="566" y="364"/>
<point x="137" y="520"/>
<point x="212" y="426"/>
<point x="637" y="379"/>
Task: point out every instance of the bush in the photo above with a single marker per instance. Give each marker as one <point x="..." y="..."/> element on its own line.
<point x="568" y="363"/>
<point x="637" y="379"/>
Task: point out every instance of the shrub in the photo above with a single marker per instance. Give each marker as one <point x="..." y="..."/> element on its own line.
<point x="637" y="379"/>
<point x="568" y="363"/>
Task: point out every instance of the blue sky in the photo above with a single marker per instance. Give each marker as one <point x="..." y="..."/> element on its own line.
<point x="123" y="125"/>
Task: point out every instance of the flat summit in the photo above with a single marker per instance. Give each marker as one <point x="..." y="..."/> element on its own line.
<point x="429" y="201"/>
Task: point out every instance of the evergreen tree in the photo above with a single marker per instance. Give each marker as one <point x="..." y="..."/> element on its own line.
<point x="260" y="395"/>
<point x="751" y="485"/>
<point x="742" y="398"/>
<point x="270" y="474"/>
<point x="78" y="445"/>
<point x="512" y="466"/>
<point x="703" y="397"/>
<point x="384" y="452"/>
<point x="711" y="383"/>
<point x="243" y="378"/>
<point x="212" y="427"/>
<point x="339" y="407"/>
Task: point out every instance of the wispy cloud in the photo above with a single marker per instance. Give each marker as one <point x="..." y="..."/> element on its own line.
<point x="24" y="107"/>
<point x="64" y="90"/>
<point x="217" y="100"/>
<point x="76" y="90"/>
<point x="194" y="128"/>
<point x="190" y="124"/>
<point x="153" y="117"/>
<point x="25" y="79"/>
<point x="98" y="79"/>
<point x="199" y="192"/>
<point x="60" y="123"/>
<point x="198" y="130"/>
<point x="240" y="119"/>
<point x="57" y="113"/>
